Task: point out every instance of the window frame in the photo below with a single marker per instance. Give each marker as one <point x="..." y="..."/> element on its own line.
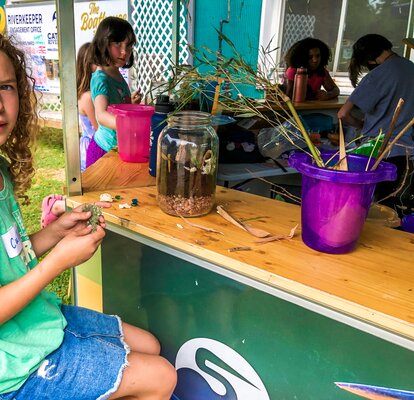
<point x="271" y="30"/>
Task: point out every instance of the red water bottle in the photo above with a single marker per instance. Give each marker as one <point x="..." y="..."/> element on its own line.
<point x="299" y="85"/>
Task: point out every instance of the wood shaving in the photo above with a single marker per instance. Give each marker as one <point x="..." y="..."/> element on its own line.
<point x="240" y="248"/>
<point x="180" y="226"/>
<point x="248" y="228"/>
<point x="277" y="238"/>
<point x="229" y="218"/>
<point x="204" y="228"/>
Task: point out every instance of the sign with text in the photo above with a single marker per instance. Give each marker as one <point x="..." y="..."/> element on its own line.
<point x="35" y="28"/>
<point x="88" y="15"/>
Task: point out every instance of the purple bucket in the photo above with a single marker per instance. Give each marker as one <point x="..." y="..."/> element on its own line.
<point x="336" y="203"/>
<point x="407" y="223"/>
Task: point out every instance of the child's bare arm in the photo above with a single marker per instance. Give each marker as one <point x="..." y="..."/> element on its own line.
<point x="136" y="97"/>
<point x="103" y="116"/>
<point x="345" y="114"/>
<point x="331" y="89"/>
<point x="88" y="108"/>
<point x="46" y="238"/>
<point x="73" y="250"/>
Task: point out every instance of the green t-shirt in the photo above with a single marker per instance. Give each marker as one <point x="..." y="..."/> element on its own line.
<point x="37" y="330"/>
<point x="117" y="92"/>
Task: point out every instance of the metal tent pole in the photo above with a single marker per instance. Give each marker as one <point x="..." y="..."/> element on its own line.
<point x="176" y="33"/>
<point x="67" y="68"/>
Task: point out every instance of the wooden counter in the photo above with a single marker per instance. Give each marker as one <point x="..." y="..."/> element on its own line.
<point x="110" y="172"/>
<point x="310" y="105"/>
<point x="374" y="284"/>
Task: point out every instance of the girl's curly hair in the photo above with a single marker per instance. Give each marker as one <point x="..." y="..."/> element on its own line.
<point x="298" y="55"/>
<point x="17" y="147"/>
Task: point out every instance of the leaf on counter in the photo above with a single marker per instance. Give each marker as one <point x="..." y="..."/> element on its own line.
<point x="256" y="231"/>
<point x="276" y="238"/>
<point x="244" y="220"/>
<point x="229" y="218"/>
<point x="204" y="228"/>
<point x="253" y="231"/>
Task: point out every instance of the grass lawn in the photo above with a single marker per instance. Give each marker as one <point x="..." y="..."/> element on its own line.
<point x="49" y="179"/>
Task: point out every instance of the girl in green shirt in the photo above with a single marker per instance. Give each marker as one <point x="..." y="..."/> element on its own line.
<point x="50" y="351"/>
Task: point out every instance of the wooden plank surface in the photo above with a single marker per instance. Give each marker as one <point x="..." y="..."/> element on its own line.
<point x="309" y="105"/>
<point x="374" y="283"/>
<point x="110" y="172"/>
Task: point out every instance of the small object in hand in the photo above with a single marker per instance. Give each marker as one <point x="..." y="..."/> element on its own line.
<point x="136" y="97"/>
<point x="134" y="202"/>
<point x="125" y="205"/>
<point x="106" y="197"/>
<point x="96" y="213"/>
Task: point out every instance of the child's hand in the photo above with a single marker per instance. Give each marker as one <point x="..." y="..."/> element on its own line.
<point x="322" y="95"/>
<point x="77" y="219"/>
<point x="136" y="97"/>
<point x="76" y="247"/>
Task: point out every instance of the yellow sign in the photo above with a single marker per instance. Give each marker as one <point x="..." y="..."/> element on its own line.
<point x="90" y="20"/>
<point x="2" y="20"/>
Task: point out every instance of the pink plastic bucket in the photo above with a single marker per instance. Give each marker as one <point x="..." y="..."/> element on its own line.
<point x="133" y="127"/>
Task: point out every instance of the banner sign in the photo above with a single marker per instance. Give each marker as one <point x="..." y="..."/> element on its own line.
<point x="35" y="28"/>
<point x="2" y="16"/>
<point x="89" y="14"/>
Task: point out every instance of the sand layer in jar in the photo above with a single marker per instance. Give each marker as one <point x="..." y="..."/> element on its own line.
<point x="186" y="206"/>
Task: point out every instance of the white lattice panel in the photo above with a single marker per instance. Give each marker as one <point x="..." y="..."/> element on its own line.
<point x="49" y="102"/>
<point x="152" y="22"/>
<point x="297" y="27"/>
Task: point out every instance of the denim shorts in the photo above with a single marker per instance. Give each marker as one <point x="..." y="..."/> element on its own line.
<point x="88" y="365"/>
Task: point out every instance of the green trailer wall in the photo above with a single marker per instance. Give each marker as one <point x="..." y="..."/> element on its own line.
<point x="243" y="29"/>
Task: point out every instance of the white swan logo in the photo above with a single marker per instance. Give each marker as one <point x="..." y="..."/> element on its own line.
<point x="249" y="388"/>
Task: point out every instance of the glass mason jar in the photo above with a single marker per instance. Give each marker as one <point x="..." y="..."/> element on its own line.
<point x="187" y="158"/>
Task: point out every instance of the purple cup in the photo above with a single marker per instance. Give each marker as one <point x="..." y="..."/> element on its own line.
<point x="335" y="203"/>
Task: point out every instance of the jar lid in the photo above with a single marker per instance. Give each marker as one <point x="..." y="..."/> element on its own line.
<point x="163" y="105"/>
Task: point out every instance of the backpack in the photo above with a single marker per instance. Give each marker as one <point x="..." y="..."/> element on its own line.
<point x="237" y="145"/>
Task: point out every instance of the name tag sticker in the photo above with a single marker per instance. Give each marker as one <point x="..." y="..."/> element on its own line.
<point x="12" y="242"/>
